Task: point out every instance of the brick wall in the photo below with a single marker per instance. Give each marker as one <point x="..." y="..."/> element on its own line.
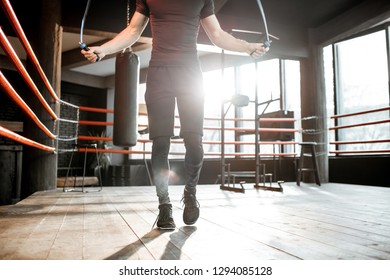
<point x="9" y="111"/>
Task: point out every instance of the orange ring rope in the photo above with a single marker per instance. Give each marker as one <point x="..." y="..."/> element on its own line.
<point x="96" y="123"/>
<point x="6" y="45"/>
<point x="360" y="142"/>
<point x="26" y="45"/>
<point x="252" y="130"/>
<point x="19" y="101"/>
<point x="240" y="129"/>
<point x="361" y="152"/>
<point x="94" y="138"/>
<point x="252" y="120"/>
<point x="102" y="110"/>
<point x="23" y="140"/>
<point x="277" y="120"/>
<point x="251" y="155"/>
<point x="113" y="151"/>
<point x="109" y="139"/>
<point x="359" y="124"/>
<point x="117" y="151"/>
<point x="96" y="110"/>
<point x="360" y="113"/>
<point x="249" y="143"/>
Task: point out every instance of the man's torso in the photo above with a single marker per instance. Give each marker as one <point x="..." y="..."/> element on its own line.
<point x="175" y="27"/>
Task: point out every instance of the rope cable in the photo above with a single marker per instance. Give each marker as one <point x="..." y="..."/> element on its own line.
<point x="267" y="42"/>
<point x="83" y="21"/>
<point x="81" y="43"/>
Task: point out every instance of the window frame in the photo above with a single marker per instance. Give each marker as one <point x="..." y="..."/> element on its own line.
<point x="336" y="79"/>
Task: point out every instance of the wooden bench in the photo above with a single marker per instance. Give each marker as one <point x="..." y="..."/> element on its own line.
<point x="69" y="183"/>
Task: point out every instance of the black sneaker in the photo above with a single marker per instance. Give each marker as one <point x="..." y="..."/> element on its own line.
<point x="191" y="208"/>
<point x="164" y="219"/>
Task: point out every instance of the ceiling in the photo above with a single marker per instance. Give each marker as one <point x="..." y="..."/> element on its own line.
<point x="101" y="25"/>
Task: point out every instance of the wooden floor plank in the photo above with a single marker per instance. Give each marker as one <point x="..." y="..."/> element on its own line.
<point x="334" y="221"/>
<point x="281" y="238"/>
<point x="309" y="230"/>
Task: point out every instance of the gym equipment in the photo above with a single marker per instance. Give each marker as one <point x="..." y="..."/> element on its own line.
<point x="127" y="67"/>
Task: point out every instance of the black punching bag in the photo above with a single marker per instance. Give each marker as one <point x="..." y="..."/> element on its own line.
<point x="126" y="99"/>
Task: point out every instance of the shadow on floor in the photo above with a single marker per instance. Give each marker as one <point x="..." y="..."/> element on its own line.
<point x="172" y="250"/>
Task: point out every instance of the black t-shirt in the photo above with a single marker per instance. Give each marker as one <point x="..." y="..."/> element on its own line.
<point x="175" y="27"/>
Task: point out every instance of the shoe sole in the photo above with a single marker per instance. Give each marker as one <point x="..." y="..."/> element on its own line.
<point x="166" y="228"/>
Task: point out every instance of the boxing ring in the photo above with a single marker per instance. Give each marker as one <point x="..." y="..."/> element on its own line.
<point x="339" y="145"/>
<point x="227" y="177"/>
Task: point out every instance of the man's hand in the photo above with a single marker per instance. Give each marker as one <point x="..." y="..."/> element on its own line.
<point x="257" y="50"/>
<point x="93" y="53"/>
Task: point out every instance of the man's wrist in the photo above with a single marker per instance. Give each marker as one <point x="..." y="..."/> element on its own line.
<point x="249" y="48"/>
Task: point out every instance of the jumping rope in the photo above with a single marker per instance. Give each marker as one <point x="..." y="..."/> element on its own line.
<point x="82" y="44"/>
<point x="267" y="42"/>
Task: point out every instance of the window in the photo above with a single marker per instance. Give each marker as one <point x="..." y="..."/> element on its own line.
<point x="292" y="96"/>
<point x="269" y="85"/>
<point x="329" y="89"/>
<point x="361" y="84"/>
<point x="362" y="75"/>
<point x="242" y="80"/>
<point x="219" y="86"/>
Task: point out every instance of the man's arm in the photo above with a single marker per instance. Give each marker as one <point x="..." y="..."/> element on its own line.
<point x="224" y="40"/>
<point x="126" y="38"/>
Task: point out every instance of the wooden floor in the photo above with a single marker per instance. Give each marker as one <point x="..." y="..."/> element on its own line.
<point x="334" y="221"/>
